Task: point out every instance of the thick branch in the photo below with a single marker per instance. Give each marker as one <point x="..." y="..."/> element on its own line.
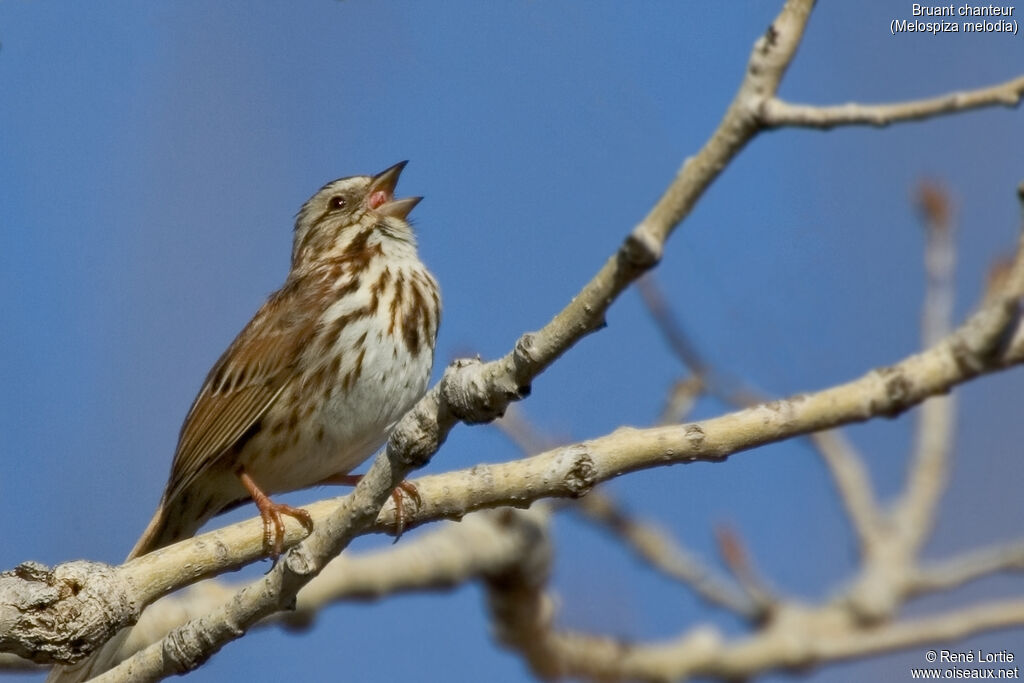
<point x="483" y="545"/>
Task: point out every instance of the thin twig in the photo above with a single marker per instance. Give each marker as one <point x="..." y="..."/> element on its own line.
<point x="800" y="638"/>
<point x="737" y="558"/>
<point x="666" y="555"/>
<point x="914" y="513"/>
<point x="777" y="112"/>
<point x="973" y="565"/>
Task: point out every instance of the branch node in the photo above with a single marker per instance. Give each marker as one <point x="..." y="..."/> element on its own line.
<point x="898" y="390"/>
<point x="695" y="437"/>
<point x="966" y="360"/>
<point x="771" y="37"/>
<point x="582" y="476"/>
<point x="63" y="614"/>
<point x="185" y="649"/>
<point x="525" y="350"/>
<point x="419" y="434"/>
<point x="641" y="249"/>
<point x="298" y="561"/>
<point x="476" y="394"/>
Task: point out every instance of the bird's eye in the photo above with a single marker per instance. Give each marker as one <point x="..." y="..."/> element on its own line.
<point x="336" y="202"/>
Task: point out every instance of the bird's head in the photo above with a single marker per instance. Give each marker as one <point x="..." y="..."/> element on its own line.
<point x="343" y="211"/>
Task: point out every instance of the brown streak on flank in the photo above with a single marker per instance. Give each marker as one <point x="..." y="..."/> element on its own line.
<point x="436" y="318"/>
<point x="378" y="288"/>
<point x="353" y="375"/>
<point x="329" y="338"/>
<point x="427" y="317"/>
<point x="320" y="434"/>
<point x="430" y="319"/>
<point x="335" y="366"/>
<point x="396" y="302"/>
<point x="359" y="364"/>
<point x="411" y="322"/>
<point x="318" y="379"/>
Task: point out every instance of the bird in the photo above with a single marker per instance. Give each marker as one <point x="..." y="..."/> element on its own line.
<point x="314" y="383"/>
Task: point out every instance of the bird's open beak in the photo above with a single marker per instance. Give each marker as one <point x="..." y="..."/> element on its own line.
<point x="381" y="196"/>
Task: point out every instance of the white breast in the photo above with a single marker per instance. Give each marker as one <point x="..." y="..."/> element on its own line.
<point x="364" y="384"/>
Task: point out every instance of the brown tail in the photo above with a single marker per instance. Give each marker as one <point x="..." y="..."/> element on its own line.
<point x="174" y="521"/>
<point x="155" y="536"/>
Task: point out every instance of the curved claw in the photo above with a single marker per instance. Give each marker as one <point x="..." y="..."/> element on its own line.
<point x="270" y="512"/>
<point x="397" y="495"/>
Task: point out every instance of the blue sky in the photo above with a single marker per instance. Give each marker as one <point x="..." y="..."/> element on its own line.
<point x="152" y="157"/>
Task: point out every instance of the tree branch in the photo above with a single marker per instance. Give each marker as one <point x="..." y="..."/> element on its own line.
<point x="664" y="554"/>
<point x="776" y="113"/>
<point x="483" y="545"/>
<point x="797" y="639"/>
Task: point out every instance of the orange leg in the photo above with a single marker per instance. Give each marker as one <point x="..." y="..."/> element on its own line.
<point x="398" y="495"/>
<point x="273" y="541"/>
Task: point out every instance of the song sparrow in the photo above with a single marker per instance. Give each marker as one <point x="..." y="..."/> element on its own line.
<point x="312" y="385"/>
<point x="316" y="380"/>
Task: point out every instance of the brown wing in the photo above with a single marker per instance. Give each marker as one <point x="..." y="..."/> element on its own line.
<point x="243" y="384"/>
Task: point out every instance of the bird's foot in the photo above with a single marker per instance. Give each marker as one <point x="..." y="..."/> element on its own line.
<point x="271" y="513"/>
<point x="398" y="495"/>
